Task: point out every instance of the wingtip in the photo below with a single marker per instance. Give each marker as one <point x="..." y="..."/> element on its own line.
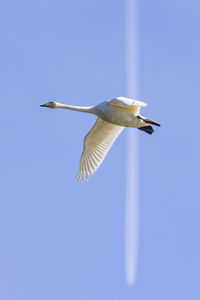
<point x="82" y="176"/>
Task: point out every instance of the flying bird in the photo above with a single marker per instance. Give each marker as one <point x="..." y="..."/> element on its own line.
<point x="113" y="115"/>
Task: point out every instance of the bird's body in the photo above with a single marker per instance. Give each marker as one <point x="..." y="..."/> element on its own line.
<point x="113" y="116"/>
<point x="120" y="112"/>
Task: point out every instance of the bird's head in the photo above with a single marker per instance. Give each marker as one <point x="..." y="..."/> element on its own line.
<point x="51" y="104"/>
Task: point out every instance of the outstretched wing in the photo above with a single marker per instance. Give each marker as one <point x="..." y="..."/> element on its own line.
<point x="96" y="145"/>
<point x="130" y="104"/>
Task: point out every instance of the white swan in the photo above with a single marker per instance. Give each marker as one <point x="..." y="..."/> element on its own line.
<point x="113" y="116"/>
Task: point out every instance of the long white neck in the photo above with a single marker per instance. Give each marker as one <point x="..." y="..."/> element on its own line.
<point x="88" y="109"/>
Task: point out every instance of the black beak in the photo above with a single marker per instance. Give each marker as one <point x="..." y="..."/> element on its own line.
<point x="42" y="105"/>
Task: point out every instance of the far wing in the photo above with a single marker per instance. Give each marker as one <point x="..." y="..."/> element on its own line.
<point x="96" y="145"/>
<point x="130" y="104"/>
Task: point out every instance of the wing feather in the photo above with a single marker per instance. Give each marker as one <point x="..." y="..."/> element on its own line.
<point x="130" y="104"/>
<point x="97" y="143"/>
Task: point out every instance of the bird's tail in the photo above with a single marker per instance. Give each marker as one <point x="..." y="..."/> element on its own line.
<point x="148" y="121"/>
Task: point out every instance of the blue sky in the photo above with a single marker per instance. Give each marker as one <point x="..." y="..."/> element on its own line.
<point x="62" y="239"/>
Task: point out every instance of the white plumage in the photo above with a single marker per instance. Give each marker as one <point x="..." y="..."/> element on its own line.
<point x="97" y="143"/>
<point x="113" y="116"/>
<point x="120" y="101"/>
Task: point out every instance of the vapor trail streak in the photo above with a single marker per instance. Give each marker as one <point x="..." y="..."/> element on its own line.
<point x="131" y="217"/>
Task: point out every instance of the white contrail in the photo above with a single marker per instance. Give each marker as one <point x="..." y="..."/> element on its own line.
<point x="131" y="217"/>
